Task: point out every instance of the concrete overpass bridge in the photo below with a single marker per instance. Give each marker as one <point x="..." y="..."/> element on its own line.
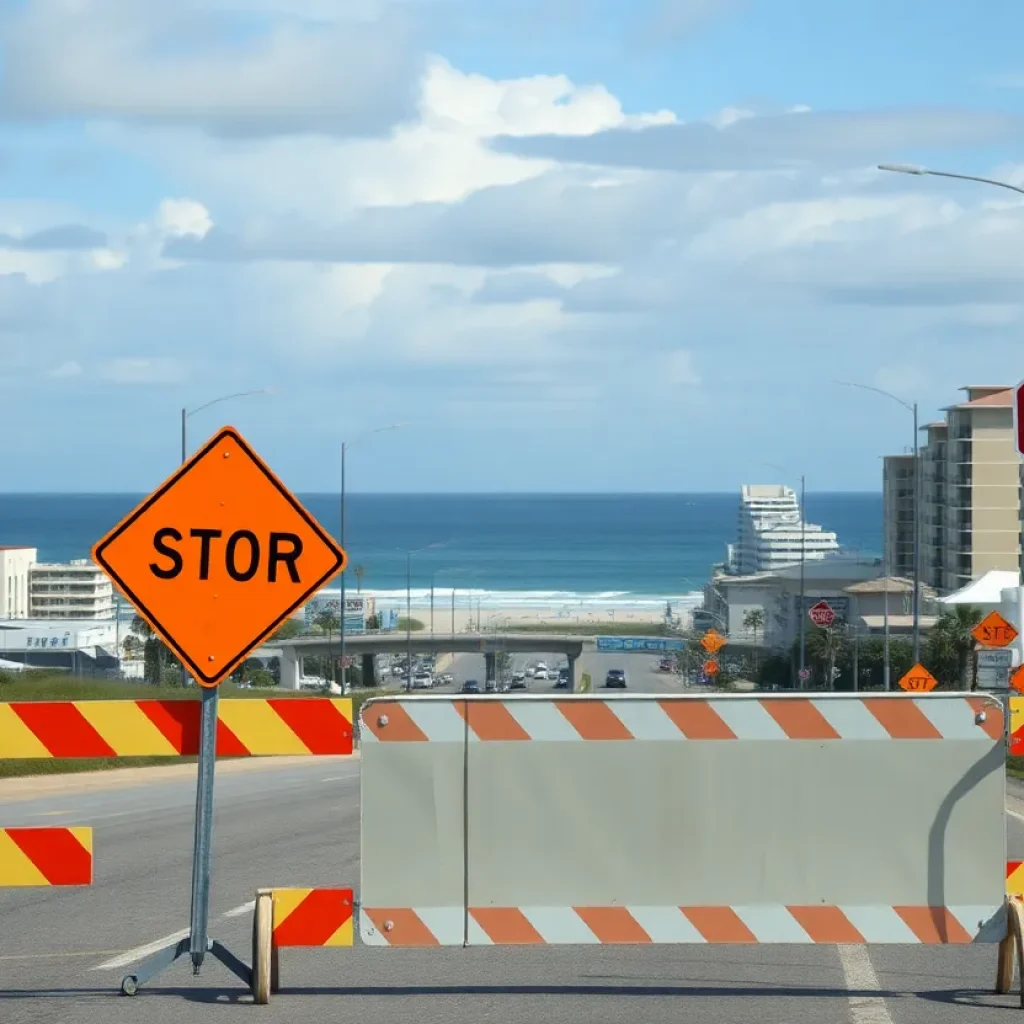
<point x="366" y="645"/>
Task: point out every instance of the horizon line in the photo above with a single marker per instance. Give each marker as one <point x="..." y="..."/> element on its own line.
<point x="442" y="494"/>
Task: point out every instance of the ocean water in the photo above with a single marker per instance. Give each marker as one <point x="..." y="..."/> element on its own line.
<point x="612" y="551"/>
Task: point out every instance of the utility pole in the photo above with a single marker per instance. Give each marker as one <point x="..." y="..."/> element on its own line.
<point x="803" y="560"/>
<point x="341" y="622"/>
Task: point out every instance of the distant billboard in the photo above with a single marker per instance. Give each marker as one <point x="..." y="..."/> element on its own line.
<point x="650" y="644"/>
<point x="357" y="609"/>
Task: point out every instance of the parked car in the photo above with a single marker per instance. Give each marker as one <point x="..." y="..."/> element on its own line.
<point x="518" y="681"/>
<point x="470" y="686"/>
<point x="490" y="686"/>
<point x="666" y="665"/>
<point x="616" y="678"/>
<point x="553" y="673"/>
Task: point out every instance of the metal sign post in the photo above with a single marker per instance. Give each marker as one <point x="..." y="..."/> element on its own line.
<point x="260" y="556"/>
<point x="203" y="844"/>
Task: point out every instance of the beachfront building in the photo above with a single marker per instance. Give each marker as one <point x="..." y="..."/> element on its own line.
<point x="79" y="646"/>
<point x="70" y="590"/>
<point x="898" y="513"/>
<point x="15" y="563"/>
<point x="771" y="532"/>
<point x="970" y="491"/>
<point x="855" y="589"/>
<point x="30" y="589"/>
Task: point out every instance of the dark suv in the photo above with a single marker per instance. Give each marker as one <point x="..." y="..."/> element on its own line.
<point x="615" y="677"/>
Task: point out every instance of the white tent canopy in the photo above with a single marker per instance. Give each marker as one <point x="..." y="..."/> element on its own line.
<point x="987" y="589"/>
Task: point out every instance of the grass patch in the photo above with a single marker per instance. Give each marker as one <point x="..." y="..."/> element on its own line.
<point x="595" y="628"/>
<point x="1015" y="767"/>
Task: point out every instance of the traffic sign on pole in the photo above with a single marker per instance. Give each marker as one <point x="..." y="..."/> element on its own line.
<point x="822" y="614"/>
<point x="218" y="556"/>
<point x="713" y="641"/>
<point x="994" y="631"/>
<point x="919" y="679"/>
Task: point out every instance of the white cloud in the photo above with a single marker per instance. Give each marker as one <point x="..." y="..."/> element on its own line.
<point x="137" y="370"/>
<point x="69" y="368"/>
<point x="444" y="274"/>
<point x="175" y="64"/>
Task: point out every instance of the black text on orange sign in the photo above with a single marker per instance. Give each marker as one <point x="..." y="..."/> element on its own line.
<point x="242" y="553"/>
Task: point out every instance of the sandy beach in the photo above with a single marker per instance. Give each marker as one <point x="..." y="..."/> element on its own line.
<point x="506" y="620"/>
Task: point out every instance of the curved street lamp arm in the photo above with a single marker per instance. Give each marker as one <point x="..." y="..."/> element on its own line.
<point x="224" y="398"/>
<point x="912" y="169"/>
<point x="877" y="391"/>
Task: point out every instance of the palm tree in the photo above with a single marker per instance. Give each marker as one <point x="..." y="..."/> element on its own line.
<point x="754" y="621"/>
<point x="328" y="622"/>
<point x="153" y="650"/>
<point x="952" y="649"/>
<point x="359" y="572"/>
<point x="827" y="646"/>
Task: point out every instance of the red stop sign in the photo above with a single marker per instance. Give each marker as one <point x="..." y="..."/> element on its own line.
<point x="821" y="614"/>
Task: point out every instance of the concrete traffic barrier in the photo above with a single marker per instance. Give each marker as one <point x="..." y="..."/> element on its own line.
<point x="880" y="819"/>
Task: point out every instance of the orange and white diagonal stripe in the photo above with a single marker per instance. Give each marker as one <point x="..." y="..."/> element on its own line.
<point x="686" y="718"/>
<point x="632" y="925"/>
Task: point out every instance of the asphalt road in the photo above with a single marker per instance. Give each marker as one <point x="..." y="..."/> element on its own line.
<point x="63" y="951"/>
<point x="642" y="675"/>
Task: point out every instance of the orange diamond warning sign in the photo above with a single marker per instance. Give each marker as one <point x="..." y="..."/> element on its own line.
<point x="919" y="679"/>
<point x="713" y="641"/>
<point x="994" y="631"/>
<point x="217" y="557"/>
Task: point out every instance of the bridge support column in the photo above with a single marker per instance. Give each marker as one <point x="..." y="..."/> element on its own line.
<point x="571" y="658"/>
<point x="489" y="666"/>
<point x="291" y="668"/>
<point x="369" y="672"/>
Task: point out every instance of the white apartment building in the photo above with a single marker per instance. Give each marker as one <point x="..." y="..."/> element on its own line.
<point x="15" y="563"/>
<point x="78" y="589"/>
<point x="771" y="532"/>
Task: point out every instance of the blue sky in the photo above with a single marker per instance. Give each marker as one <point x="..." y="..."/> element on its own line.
<point x="576" y="244"/>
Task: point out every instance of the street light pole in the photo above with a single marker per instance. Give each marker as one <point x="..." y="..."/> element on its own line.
<point x="408" y="620"/>
<point x="803" y="563"/>
<point x="341" y="538"/>
<point x="912" y="409"/>
<point x="996" y="183"/>
<point x="186" y="413"/>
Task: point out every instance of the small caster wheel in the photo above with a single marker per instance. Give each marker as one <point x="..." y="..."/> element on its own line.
<point x="129" y="985"/>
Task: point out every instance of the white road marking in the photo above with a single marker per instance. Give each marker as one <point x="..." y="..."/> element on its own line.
<point x="131" y="956"/>
<point x="141" y="952"/>
<point x="1015" y="814"/>
<point x="861" y="980"/>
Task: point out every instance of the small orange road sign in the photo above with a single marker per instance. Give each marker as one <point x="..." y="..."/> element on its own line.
<point x="919" y="679"/>
<point x="711" y="667"/>
<point x="1017" y="679"/>
<point x="218" y="556"/>
<point x="713" y="641"/>
<point x="994" y="631"/>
